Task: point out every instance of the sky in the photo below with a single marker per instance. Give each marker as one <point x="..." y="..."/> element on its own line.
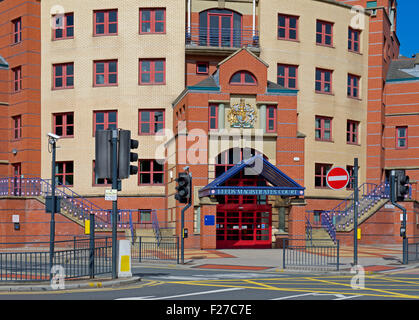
<point x="408" y="26"/>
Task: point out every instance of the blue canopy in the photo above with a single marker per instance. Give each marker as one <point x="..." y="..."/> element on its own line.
<point x="281" y="184"/>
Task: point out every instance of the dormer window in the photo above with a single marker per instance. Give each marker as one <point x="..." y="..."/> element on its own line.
<point x="243" y="78"/>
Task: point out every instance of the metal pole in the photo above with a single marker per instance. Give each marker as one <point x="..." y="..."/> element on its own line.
<point x="92" y="246"/>
<point x="115" y="202"/>
<point x="53" y="209"/>
<point x="182" y="239"/>
<point x="182" y="222"/>
<point x="356" y="197"/>
<point x="393" y="197"/>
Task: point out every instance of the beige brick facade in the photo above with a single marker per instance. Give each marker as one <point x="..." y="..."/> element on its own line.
<point x="127" y="97"/>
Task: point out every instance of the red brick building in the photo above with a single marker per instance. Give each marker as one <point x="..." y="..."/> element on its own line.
<point x="269" y="87"/>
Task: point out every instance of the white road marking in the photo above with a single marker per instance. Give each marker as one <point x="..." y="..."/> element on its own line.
<point x="181" y="295"/>
<point x="136" y="298"/>
<point x="337" y="295"/>
<point x="295" y="296"/>
<point x="217" y="276"/>
<point x="349" y="297"/>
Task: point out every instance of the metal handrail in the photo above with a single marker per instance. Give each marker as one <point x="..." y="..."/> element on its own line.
<point x="222" y="37"/>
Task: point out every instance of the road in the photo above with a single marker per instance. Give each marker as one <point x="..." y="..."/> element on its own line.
<point x="162" y="283"/>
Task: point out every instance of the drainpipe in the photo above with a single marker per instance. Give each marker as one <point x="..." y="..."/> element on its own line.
<point x="254" y="20"/>
<point x="188" y="34"/>
<point x="255" y="36"/>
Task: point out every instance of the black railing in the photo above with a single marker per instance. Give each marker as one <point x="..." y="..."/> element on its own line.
<point x="413" y="249"/>
<point x="30" y="261"/>
<point x="222" y="37"/>
<point x="148" y="249"/>
<point x="312" y="254"/>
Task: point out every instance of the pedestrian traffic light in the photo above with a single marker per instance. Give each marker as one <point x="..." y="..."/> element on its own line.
<point x="402" y="188"/>
<point x="184" y="187"/>
<point x="103" y="154"/>
<point x="125" y="156"/>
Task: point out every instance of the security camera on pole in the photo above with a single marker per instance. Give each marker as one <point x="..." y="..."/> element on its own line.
<point x="184" y="195"/>
<point x="52" y="205"/>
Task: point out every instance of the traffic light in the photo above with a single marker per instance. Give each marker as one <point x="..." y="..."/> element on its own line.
<point x="103" y="154"/>
<point x="184" y="187"/>
<point x="402" y="188"/>
<point x="125" y="156"/>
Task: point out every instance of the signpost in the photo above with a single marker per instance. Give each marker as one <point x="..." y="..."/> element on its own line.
<point x="338" y="178"/>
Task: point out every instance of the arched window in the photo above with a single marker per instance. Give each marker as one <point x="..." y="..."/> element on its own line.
<point x="220" y="28"/>
<point x="243" y="77"/>
<point x="228" y="158"/>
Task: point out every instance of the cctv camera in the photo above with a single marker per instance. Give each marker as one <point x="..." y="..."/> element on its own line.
<point x="53" y="136"/>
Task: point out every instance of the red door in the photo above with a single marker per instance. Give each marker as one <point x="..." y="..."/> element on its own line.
<point x="244" y="226"/>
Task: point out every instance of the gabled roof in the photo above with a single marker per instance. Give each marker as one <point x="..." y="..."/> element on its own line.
<point x="240" y="50"/>
<point x="281" y="184"/>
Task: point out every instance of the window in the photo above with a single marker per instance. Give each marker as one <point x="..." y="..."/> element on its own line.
<point x="64" y="124"/>
<point x="287" y="76"/>
<point x="144" y="215"/>
<point x="202" y="68"/>
<point x="151" y="172"/>
<point x="103" y="120"/>
<point x="401" y="137"/>
<point x="320" y="173"/>
<point x="152" y="71"/>
<point x="17" y="30"/>
<point x="64" y="173"/>
<point x="213" y="117"/>
<point x="63" y="76"/>
<point x="323" y="128"/>
<point x="287" y="27"/>
<point x="151" y="121"/>
<point x="152" y="21"/>
<point x="221" y="28"/>
<point x="17" y="79"/>
<point x="64" y="26"/>
<point x="17" y="127"/>
<point x="243" y="77"/>
<point x="324" y="33"/>
<point x="352" y="132"/>
<point x="271" y="119"/>
<point x="354" y="40"/>
<point x="323" y="81"/>
<point x="353" y="86"/>
<point x="106" y="73"/>
<point x="105" y="22"/>
<point x="350" y="170"/>
<point x="101" y="181"/>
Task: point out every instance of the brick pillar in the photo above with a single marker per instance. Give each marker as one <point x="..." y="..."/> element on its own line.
<point x="208" y="233"/>
<point x="296" y="222"/>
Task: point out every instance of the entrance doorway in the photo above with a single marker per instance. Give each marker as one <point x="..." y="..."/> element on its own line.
<point x="244" y="226"/>
<point x="243" y="221"/>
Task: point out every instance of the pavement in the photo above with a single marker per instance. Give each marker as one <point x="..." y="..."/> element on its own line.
<point x="373" y="259"/>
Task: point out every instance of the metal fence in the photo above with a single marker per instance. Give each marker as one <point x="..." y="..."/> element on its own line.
<point x="149" y="249"/>
<point x="73" y="257"/>
<point x="413" y="249"/>
<point x="313" y="254"/>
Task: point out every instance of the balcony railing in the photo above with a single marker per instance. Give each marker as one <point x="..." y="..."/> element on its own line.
<point x="222" y="37"/>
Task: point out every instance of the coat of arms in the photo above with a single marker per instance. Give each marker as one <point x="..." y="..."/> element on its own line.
<point x="242" y="115"/>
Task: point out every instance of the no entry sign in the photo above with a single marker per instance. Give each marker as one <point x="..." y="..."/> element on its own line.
<point x="337" y="178"/>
